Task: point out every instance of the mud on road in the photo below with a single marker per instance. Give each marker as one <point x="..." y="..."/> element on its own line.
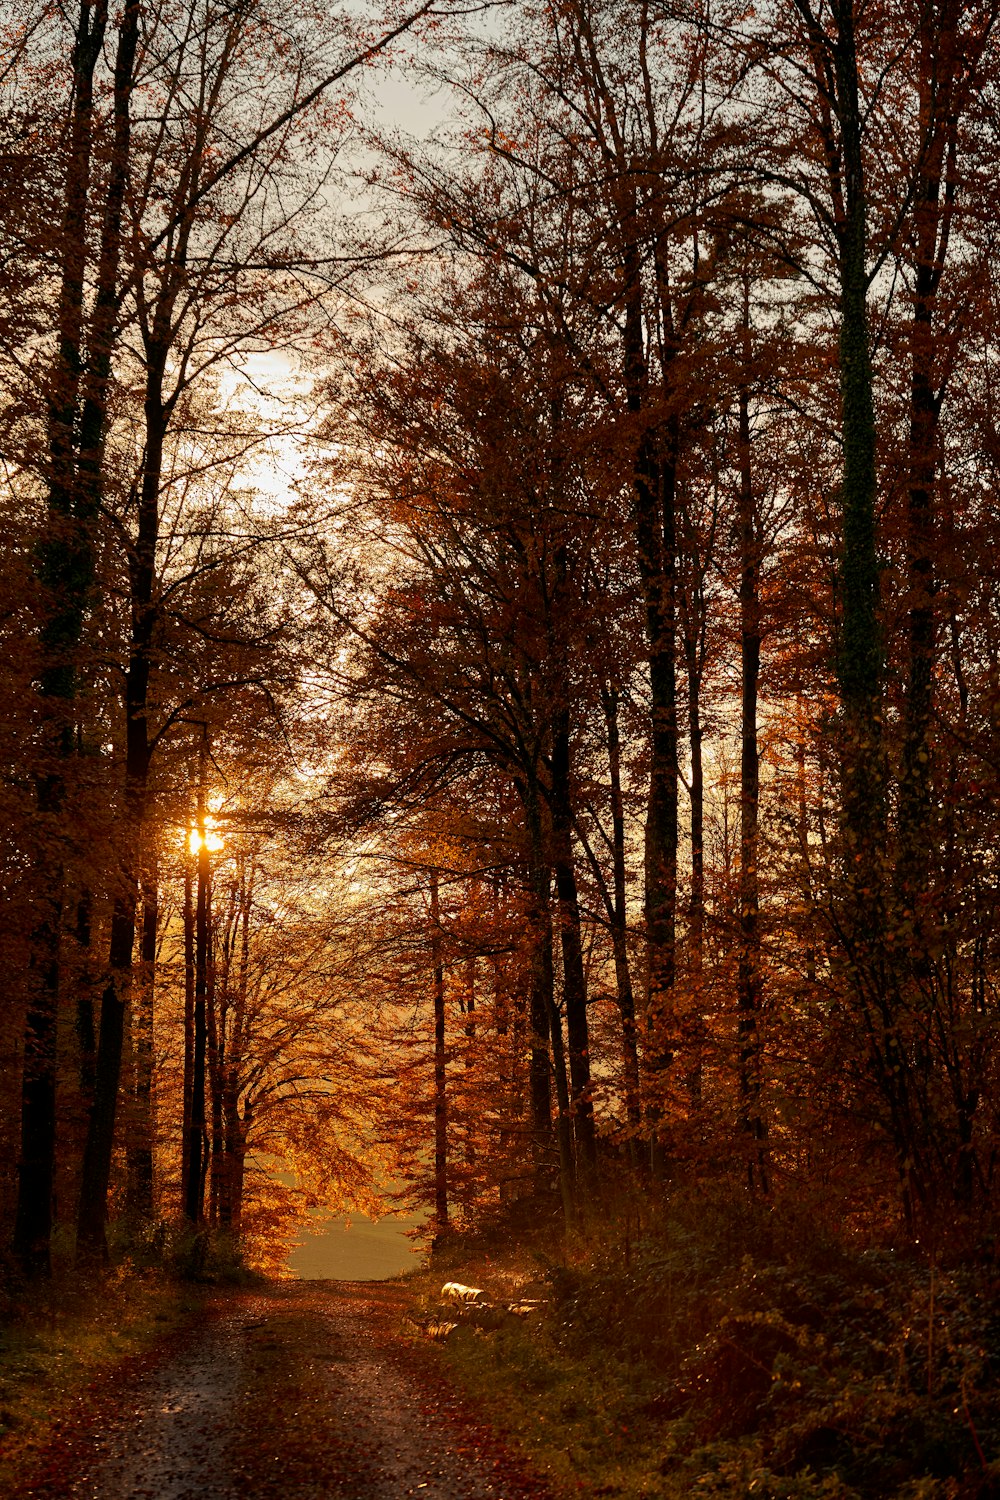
<point x="300" y="1391"/>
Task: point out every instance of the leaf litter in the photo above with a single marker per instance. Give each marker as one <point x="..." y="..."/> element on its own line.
<point x="298" y="1390"/>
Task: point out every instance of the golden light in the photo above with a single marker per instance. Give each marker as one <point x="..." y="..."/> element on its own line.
<point x="213" y="841"/>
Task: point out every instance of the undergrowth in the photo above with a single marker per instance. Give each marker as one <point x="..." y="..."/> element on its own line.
<point x="59" y="1335"/>
<point x="734" y="1351"/>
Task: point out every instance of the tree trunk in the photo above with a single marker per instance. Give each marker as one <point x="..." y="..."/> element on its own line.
<point x="934" y="200"/>
<point x="65" y="569"/>
<point x="618" y="914"/>
<point x="802" y="826"/>
<point x="657" y="568"/>
<point x="86" y="1031"/>
<point x="574" y="979"/>
<point x="860" y="659"/>
<point x="540" y="995"/>
<point x="189" y="987"/>
<point x="564" y="1128"/>
<point x="235" y="1125"/>
<point x="548" y="1053"/>
<point x="749" y="984"/>
<point x="654" y="486"/>
<point x="100" y="1135"/>
<point x="860" y="656"/>
<point x="196" y="1140"/>
<point x="141" y="1195"/>
<point x="215" y="1065"/>
<point x="239" y="1163"/>
<point x="91" y="1239"/>
<point x="36" y="1168"/>
<point x="102" y="332"/>
<point x="691" y="1022"/>
<point x="93" y="423"/>
<point x="440" y="1068"/>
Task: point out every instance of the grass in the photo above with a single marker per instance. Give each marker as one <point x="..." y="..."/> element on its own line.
<point x="57" y="1337"/>
<point x="57" y="1340"/>
<point x="729" y="1351"/>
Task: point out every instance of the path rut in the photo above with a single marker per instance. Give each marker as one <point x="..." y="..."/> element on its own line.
<point x="303" y="1391"/>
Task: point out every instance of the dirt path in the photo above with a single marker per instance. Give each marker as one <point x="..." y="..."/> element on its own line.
<point x="302" y="1391"/>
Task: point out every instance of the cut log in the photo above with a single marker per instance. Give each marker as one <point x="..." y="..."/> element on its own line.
<point x="454" y="1291"/>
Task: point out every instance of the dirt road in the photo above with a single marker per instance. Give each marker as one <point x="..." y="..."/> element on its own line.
<point x="302" y="1391"/>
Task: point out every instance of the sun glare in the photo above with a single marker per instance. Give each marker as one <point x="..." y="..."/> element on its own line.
<point x="213" y="841"/>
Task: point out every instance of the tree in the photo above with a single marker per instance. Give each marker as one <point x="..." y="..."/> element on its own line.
<point x="196" y="108"/>
<point x="606" y="196"/>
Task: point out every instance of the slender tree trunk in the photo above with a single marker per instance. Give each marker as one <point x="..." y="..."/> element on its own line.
<point x="696" y="908"/>
<point x="36" y="1168"/>
<point x="215" y="1064"/>
<point x="239" y="1163"/>
<point x="540" y="996"/>
<point x="574" y="977"/>
<point x="934" y="201"/>
<point x="470" y="1007"/>
<point x="693" y="1025"/>
<point x="141" y="1185"/>
<point x="468" y="1003"/>
<point x="511" y="1107"/>
<point x="225" y="935"/>
<point x="230" y="1202"/>
<point x="654" y="481"/>
<point x="915" y="810"/>
<point x="564" y="1130"/>
<point x="91" y="1238"/>
<point x="618" y="914"/>
<point x="231" y="1148"/>
<point x="196" y="1154"/>
<point x="657" y="568"/>
<point x="860" y="667"/>
<point x="749" y="980"/>
<point x="93" y="422"/>
<point x="99" y="1146"/>
<point x="231" y="1184"/>
<point x="944" y="58"/>
<point x="440" y="1067"/>
<point x="65" y="570"/>
<point x="860" y="657"/>
<point x="86" y="1030"/>
<point x="802" y="810"/>
<point x="189" y="987"/>
<point x="546" y="1022"/>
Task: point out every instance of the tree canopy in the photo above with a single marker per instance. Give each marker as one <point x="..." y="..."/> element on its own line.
<point x="500" y="629"/>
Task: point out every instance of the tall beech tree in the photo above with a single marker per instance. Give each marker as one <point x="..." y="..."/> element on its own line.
<point x="195" y="109"/>
<point x="601" y="744"/>
<point x="66" y="574"/>
<point x="858" y="74"/>
<point x="953" y="45"/>
<point x="604" y="193"/>
<point x="498" y="531"/>
<point x="440" y="1064"/>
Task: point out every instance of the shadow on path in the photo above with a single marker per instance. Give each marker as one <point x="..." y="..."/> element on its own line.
<point x="300" y="1391"/>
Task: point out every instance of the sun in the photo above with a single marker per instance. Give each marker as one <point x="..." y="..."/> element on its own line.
<point x="214" y="843"/>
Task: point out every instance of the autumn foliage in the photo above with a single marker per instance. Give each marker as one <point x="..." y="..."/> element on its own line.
<point x="502" y="692"/>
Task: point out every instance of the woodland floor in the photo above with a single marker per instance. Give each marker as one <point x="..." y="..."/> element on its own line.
<point x="298" y="1390"/>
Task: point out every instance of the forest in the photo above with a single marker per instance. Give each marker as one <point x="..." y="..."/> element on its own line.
<point x="501" y="628"/>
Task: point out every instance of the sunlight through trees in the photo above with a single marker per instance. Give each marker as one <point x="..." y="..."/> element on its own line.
<point x="581" y="777"/>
